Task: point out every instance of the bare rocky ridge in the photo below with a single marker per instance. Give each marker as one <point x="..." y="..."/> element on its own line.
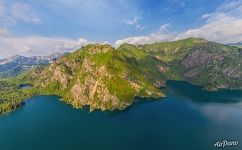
<point x="232" y="72"/>
<point x="61" y="77"/>
<point x="190" y="74"/>
<point x="200" y="58"/>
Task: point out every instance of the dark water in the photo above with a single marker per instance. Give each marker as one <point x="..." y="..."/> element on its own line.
<point x="25" y="86"/>
<point x="189" y="119"/>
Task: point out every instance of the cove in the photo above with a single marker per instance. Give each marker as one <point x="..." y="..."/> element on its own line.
<point x="189" y="118"/>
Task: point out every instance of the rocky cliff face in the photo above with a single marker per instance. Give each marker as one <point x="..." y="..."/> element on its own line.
<point x="99" y="76"/>
<point x="200" y="58"/>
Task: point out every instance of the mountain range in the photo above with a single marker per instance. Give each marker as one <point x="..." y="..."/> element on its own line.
<point x="239" y="45"/>
<point x="108" y="78"/>
<point x="15" y="65"/>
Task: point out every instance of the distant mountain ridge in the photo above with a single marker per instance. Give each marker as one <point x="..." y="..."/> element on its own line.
<point x="15" y="65"/>
<point x="237" y="45"/>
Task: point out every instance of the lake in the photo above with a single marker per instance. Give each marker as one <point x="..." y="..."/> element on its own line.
<point x="25" y="86"/>
<point x="188" y="119"/>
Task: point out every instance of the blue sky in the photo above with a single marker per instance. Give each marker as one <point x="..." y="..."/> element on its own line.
<point x="106" y="20"/>
<point x="41" y="27"/>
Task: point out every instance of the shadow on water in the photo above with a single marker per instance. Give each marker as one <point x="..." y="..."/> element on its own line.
<point x="185" y="90"/>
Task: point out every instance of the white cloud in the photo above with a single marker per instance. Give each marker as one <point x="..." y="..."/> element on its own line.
<point x="37" y="45"/>
<point x="139" y="27"/>
<point x="24" y="12"/>
<point x="163" y="27"/>
<point x="14" y="12"/>
<point x="205" y="16"/>
<point x="135" y="22"/>
<point x="224" y="25"/>
<point x="158" y="36"/>
<point x="230" y="5"/>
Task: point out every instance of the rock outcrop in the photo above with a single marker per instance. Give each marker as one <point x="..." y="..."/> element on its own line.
<point x="200" y="58"/>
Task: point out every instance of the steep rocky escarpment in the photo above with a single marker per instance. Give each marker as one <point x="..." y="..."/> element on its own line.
<point x="232" y="72"/>
<point x="200" y="58"/>
<point x="101" y="77"/>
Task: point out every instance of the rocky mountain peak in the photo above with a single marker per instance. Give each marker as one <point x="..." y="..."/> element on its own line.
<point x="99" y="48"/>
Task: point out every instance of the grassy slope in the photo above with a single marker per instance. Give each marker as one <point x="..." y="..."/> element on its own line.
<point x="170" y="51"/>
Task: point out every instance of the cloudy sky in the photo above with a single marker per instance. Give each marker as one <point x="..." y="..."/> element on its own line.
<point x="42" y="27"/>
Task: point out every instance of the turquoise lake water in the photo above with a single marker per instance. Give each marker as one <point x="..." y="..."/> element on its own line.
<point x="188" y="119"/>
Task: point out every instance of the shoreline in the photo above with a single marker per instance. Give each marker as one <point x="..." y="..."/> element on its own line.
<point x="141" y="99"/>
